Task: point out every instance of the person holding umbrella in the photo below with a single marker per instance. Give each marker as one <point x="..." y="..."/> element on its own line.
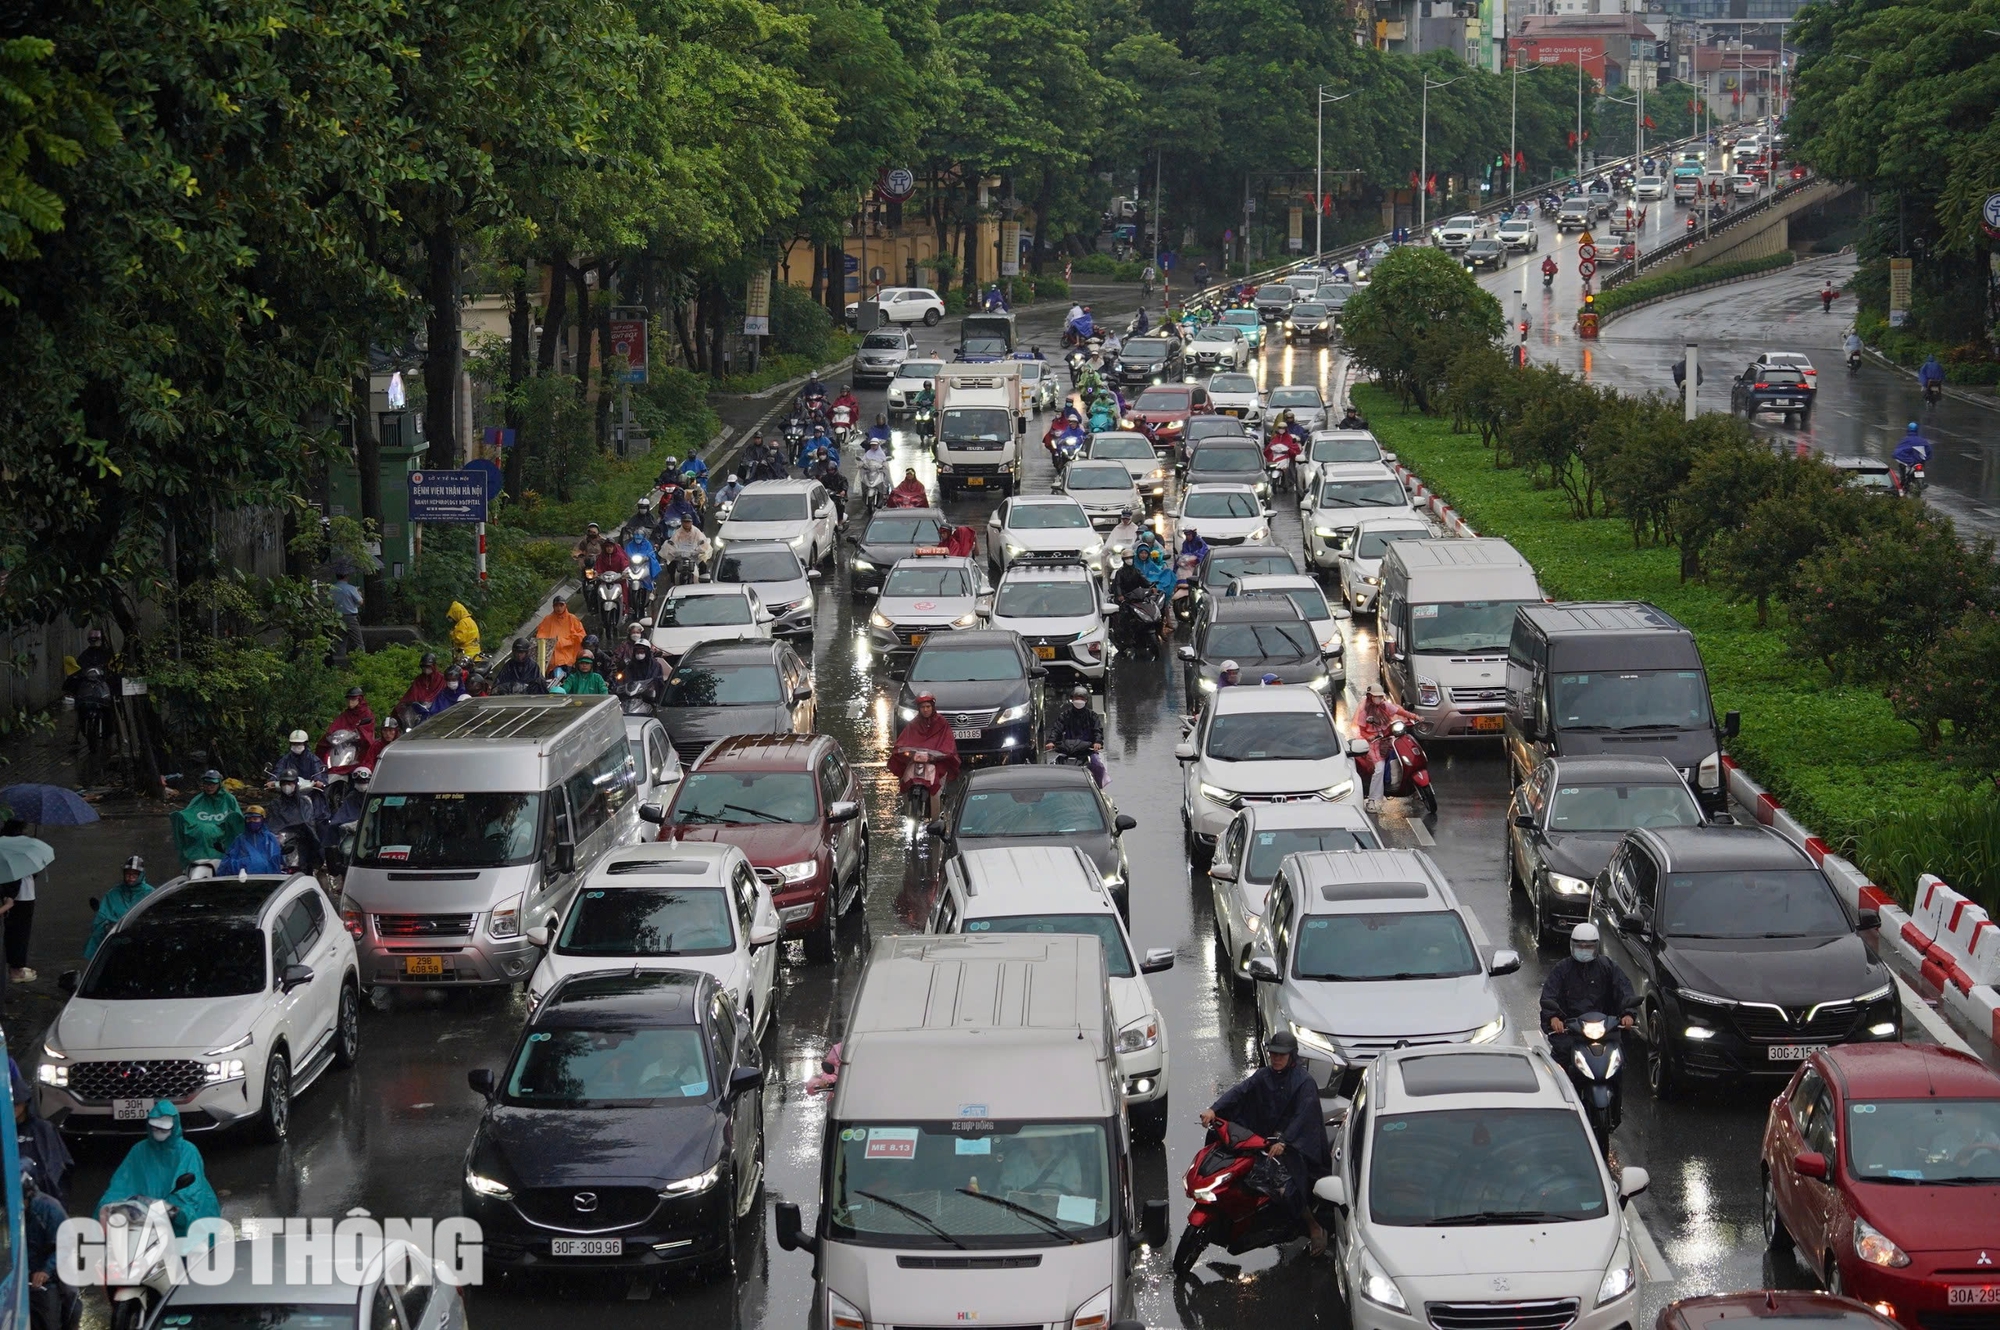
<point x="20" y="913"/>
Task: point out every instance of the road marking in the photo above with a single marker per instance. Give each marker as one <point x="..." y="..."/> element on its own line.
<point x="1934" y="1025"/>
<point x="1651" y="1259"/>
<point x="1421" y="832"/>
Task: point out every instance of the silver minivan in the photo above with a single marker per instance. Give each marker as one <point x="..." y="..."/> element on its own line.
<point x="477" y="828"/>
<point x="1445" y="615"/>
<point x="976" y="1167"/>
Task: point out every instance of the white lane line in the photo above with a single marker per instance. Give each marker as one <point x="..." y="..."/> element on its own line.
<point x="1421" y="832"/>
<point x="1934" y="1025"/>
<point x="1651" y="1259"/>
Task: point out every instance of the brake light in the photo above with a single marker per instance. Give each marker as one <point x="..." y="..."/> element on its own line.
<point x="1761" y="386"/>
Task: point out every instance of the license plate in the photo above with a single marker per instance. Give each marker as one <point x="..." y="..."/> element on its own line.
<point x="979" y="481"/>
<point x="1045" y="653"/>
<point x="1783" y="401"/>
<point x="965" y="734"/>
<point x="131" y="1110"/>
<point x="586" y="1246"/>
<point x="917" y="639"/>
<point x="432" y="966"/>
<point x="1488" y="724"/>
<point x="1793" y="1052"/>
<point x="1973" y="1295"/>
<point x="1232" y="410"/>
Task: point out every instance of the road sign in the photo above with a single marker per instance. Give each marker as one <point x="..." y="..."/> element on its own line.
<point x="1586" y="252"/>
<point x="1229" y="236"/>
<point x="490" y="470"/>
<point x="1584" y="238"/>
<point x="1167" y="260"/>
<point x="1586" y="270"/>
<point x="896" y="184"/>
<point x="448" y="496"/>
<point x="1990" y="214"/>
<point x="628" y="339"/>
<point x="848" y="263"/>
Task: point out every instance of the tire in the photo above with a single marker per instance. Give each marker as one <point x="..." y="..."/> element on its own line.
<point x="819" y="942"/>
<point x="274" y="1123"/>
<point x="128" y="1314"/>
<point x="1149" y="1121"/>
<point x="1834" y="1283"/>
<point x="1777" y="1237"/>
<point x="722" y="1267"/>
<point x="1429" y="799"/>
<point x="347" y="1028"/>
<point x="860" y="880"/>
<point x="1663" y="1074"/>
<point x="931" y="318"/>
<point x="1188" y="1250"/>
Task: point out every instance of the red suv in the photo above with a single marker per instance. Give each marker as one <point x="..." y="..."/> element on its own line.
<point x="1165" y="410"/>
<point x="792" y="804"/>
<point x="1882" y="1170"/>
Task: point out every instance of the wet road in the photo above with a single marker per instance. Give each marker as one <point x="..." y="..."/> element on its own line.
<point x="391" y="1135"/>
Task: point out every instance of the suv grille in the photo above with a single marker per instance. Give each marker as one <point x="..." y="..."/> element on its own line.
<point x="1479" y="695"/>
<point x="1554" y="1314"/>
<point x="167" y="1078"/>
<point x="562" y="1207"/>
<point x="1765" y="1025"/>
<point x="969" y="720"/>
<point x="423" y="925"/>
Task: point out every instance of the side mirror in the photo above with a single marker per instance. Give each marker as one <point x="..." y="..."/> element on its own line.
<point x="1222" y="871"/>
<point x="1184" y="752"/>
<point x="745" y="1079"/>
<point x="1264" y="970"/>
<point x="802" y="693"/>
<point x="1732" y="724"/>
<point x="295" y="976"/>
<point x="1153" y="1231"/>
<point x="812" y="574"/>
<point x="1187" y="654"/>
<point x="538" y="937"/>
<point x="1869" y="919"/>
<point x="1525" y="821"/>
<point x="842" y="810"/>
<point x="936" y="827"/>
<point x="899" y="672"/>
<point x="1332" y="1189"/>
<point x="66" y="981"/>
<point x="790" y="1228"/>
<point x="184" y="1180"/>
<point x="481" y="1081"/>
<point x="1038" y="671"/>
<point x="1632" y="1181"/>
<point x="654" y="813"/>
<point x="1124" y="822"/>
<point x="1505" y="961"/>
<point x="1631" y="923"/>
<point x="1157" y="959"/>
<point x="1357" y="748"/>
<point x="565" y="845"/>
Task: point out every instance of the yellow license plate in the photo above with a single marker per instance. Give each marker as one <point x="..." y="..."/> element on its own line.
<point x="917" y="639"/>
<point x="1488" y="724"/>
<point x="975" y="480"/>
<point x="1045" y="653"/>
<point x="428" y="966"/>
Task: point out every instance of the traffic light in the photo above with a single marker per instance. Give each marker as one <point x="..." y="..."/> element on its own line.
<point x="1589" y="300"/>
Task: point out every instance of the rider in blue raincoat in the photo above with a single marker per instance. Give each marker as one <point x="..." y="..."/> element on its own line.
<point x="641" y="544"/>
<point x="156" y="1162"/>
<point x="255" y="851"/>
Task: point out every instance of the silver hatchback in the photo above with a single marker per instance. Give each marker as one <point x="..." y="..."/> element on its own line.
<point x="882" y="353"/>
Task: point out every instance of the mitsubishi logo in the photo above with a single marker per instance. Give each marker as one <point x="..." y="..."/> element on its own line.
<point x="1984" y="1259"/>
<point x="584" y="1201"/>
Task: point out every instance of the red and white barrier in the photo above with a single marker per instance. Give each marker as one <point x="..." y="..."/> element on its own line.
<point x="1447" y="516"/>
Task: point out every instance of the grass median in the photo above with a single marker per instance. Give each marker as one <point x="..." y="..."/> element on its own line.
<point x="1834" y="755"/>
<point x="1641" y="289"/>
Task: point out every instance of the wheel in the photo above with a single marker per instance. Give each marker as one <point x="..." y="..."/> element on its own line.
<point x="1429" y="798"/>
<point x="931" y="318"/>
<point x="860" y="879"/>
<point x="274" y="1124"/>
<point x="819" y="942"/>
<point x="721" y="1268"/>
<point x="1834" y="1283"/>
<point x="1188" y="1250"/>
<point x="347" y="1028"/>
<point x="128" y="1314"/>
<point x="1663" y="1075"/>
<point x="1149" y="1121"/>
<point x="1776" y="1236"/>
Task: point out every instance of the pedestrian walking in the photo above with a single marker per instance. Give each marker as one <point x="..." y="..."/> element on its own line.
<point x="20" y="920"/>
<point x="347" y="601"/>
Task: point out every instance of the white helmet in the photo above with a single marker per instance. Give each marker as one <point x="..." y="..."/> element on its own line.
<point x="1230" y="666"/>
<point x="299" y="737"/>
<point x="1583" y="943"/>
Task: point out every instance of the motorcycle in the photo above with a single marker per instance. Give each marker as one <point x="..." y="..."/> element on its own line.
<point x="93" y="707"/>
<point x="874" y="484"/>
<point x="1136" y="626"/>
<point x="609" y="593"/>
<point x="920" y="778"/>
<point x="1409" y="772"/>
<point x="1548" y="279"/>
<point x="1933" y="391"/>
<point x="137" y="1274"/>
<point x="1853" y="362"/>
<point x="1910" y="480"/>
<point x="843" y="424"/>
<point x="343" y="753"/>
<point x="1069" y="753"/>
<point x="1595" y="1044"/>
<point x="686" y="569"/>
<point x="635" y="696"/>
<point x="1065" y="448"/>
<point x="1238" y="1193"/>
<point x="795" y="437"/>
<point x="638" y="589"/>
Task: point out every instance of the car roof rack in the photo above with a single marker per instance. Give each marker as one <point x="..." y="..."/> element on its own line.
<point x="1047" y="561"/>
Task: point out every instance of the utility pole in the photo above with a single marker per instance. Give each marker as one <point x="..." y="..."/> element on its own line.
<point x="1424" y="155"/>
<point x="1156" y="209"/>
<point x="1513" y="118"/>
<point x="1319" y="168"/>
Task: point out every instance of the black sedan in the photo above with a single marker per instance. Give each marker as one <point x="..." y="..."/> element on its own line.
<point x="987" y="685"/>
<point x="1568" y="817"/>
<point x="1227" y="461"/>
<point x="1745" y="960"/>
<point x="1038" y="805"/>
<point x="1773" y="388"/>
<point x="728" y="687"/>
<point x="1310" y="322"/>
<point x="1148" y="360"/>
<point x="625" y="1132"/>
<point x="1486" y="254"/>
<point x="892" y="534"/>
<point x="1262" y="635"/>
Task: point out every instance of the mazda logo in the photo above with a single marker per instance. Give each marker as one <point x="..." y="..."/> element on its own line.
<point x="584" y="1201"/>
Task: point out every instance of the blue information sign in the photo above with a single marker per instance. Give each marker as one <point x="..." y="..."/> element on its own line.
<point x="448" y="496"/>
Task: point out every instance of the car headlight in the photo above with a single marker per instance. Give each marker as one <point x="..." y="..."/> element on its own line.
<point x="1372" y="581"/>
<point x="236" y="1047"/>
<point x="1428" y="692"/>
<point x="965" y="620"/>
<point x="1318" y="1045"/>
<point x="1094" y="549"/>
<point x="52" y="1049"/>
<point x="879" y="620"/>
<point x="1377" y="1287"/>
<point x="49" y="1073"/>
<point x="1320" y="682"/>
<point x="1876" y="994"/>
<point x="1012" y="714"/>
<point x="1253" y="922"/>
<point x="1216" y="794"/>
<point x="486" y="1186"/>
<point x="695" y="1185"/>
<point x="1565" y="885"/>
<point x="1094" y="1314"/>
<point x="1140" y="1034"/>
<point x="1261" y="534"/>
<point x="1618" y="1276"/>
<point x="863" y="566"/>
<point x="1706" y="999"/>
<point x="1014" y="551"/>
<point x="906" y="713"/>
<point x="505" y="921"/>
<point x="221" y="1071"/>
<point x="799" y="541"/>
<point x="1488" y="1032"/>
<point x="1324" y="532"/>
<point x="1874" y="1247"/>
<point x="1338" y="791"/>
<point x="1207" y="685"/>
<point x="799" y="871"/>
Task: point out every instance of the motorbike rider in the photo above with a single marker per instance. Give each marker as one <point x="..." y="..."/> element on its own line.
<point x="1584" y="981"/>
<point x="584" y="680"/>
<point x="256" y="850"/>
<point x="994" y="302"/>
<point x="298" y="760"/>
<point x="392" y="730"/>
<point x="519" y="672"/>
<point x="879" y="436"/>
<point x="932" y="733"/>
<point x="211" y="820"/>
<point x="1352" y="419"/>
<point x="1159" y="571"/>
<point x="731" y="487"/>
<point x="694" y="471"/>
<point x="688" y="539"/>
<point x="642" y="671"/>
<point x="835" y="484"/>
<point x="678" y="506"/>
<point x="38" y="1141"/>
<point x="910" y="493"/>
<point x="1125" y="535"/>
<point x="1549" y="268"/>
<point x="53" y="1304"/>
<point x="755" y="457"/>
<point x="464" y="631"/>
<point x="298" y="809"/>
<point x="635" y="634"/>
<point x="1284" y="447"/>
<point x="589" y="547"/>
<point x="1079" y="721"/>
<point x="848" y="404"/>
<point x="156" y="1162"/>
<point x="1826" y="294"/>
<point x="341" y="819"/>
<point x="131" y="889"/>
<point x="96" y="655"/>
<point x="641" y="544"/>
<point x="565" y="630"/>
<point x="426" y="686"/>
<point x="447" y="696"/>
<point x="820" y="449"/>
<point x="1140" y="324"/>
<point x="1913" y="451"/>
<point x="1229" y="676"/>
<point x="1279" y="1102"/>
<point x="875" y="459"/>
<point x="1113" y="346"/>
<point x="1193" y="550"/>
<point x="1850" y="345"/>
<point x="356" y="717"/>
<point x="1930" y="375"/>
<point x="1377" y="714"/>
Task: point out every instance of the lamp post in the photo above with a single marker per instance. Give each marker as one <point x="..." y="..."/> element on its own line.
<point x="1424" y="155"/>
<point x="1513" y="118"/>
<point x="1581" y="60"/>
<point x="1319" y="164"/>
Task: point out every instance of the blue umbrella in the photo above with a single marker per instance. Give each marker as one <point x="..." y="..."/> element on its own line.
<point x="22" y="855"/>
<point x="48" y="805"/>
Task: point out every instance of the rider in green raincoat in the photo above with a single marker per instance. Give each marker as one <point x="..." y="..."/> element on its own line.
<point x="210" y="823"/>
<point x="153" y="1165"/>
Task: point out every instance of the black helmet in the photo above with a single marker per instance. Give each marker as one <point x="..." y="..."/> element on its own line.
<point x="430" y="659"/>
<point x="135" y="865"/>
<point x="520" y="646"/>
<point x="1283" y="1041"/>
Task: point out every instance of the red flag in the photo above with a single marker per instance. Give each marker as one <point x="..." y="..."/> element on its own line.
<point x="1650" y="124"/>
<point x="1572" y="138"/>
<point x="1521" y="160"/>
<point x="1326" y="205"/>
<point x="1690" y="106"/>
<point x="1414" y="181"/>
<point x="1431" y="185"/>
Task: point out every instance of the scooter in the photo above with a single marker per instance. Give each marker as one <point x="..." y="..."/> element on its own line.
<point x="635" y="696"/>
<point x="1068" y="753"/>
<point x="93" y="707"/>
<point x="1548" y="279"/>
<point x="137" y="1277"/>
<point x="610" y="596"/>
<point x="1853" y="362"/>
<point x="1595" y="1046"/>
<point x="343" y="753"/>
<point x="1933" y="391"/>
<point x="1238" y="1193"/>
<point x="686" y="569"/>
<point x="1065" y="448"/>
<point x="1910" y="480"/>
<point x="921" y="776"/>
<point x="638" y="588"/>
<point x="1136" y="627"/>
<point x="874" y="484"/>
<point x="843" y="423"/>
<point x="1409" y="772"/>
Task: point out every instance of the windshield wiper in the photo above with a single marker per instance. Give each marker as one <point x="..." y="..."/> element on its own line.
<point x="1501" y="1217"/>
<point x="696" y="815"/>
<point x="917" y="1215"/>
<point x="1652" y="725"/>
<point x="1975" y="1180"/>
<point x="1019" y="1209"/>
<point x="762" y="815"/>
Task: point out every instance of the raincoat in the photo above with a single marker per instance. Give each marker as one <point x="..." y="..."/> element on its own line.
<point x="253" y="852"/>
<point x="446" y="698"/>
<point x="152" y="1167"/>
<point x="567" y="631"/>
<point x="1282" y="1106"/>
<point x="464" y="631"/>
<point x="578" y="684"/>
<point x="113" y="907"/>
<point x="936" y="737"/>
<point x="204" y="829"/>
<point x="423" y="689"/>
<point x="41" y="1145"/>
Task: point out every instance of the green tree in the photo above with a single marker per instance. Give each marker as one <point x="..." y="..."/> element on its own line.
<point x="1419" y="312"/>
<point x="1805" y="506"/>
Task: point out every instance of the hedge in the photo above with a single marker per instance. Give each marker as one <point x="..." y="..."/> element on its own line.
<point x="1835" y="755"/>
<point x="1667" y="283"/>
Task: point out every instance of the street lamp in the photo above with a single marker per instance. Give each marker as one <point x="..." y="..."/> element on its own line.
<point x="1581" y="59"/>
<point x="1424" y="155"/>
<point x="1319" y="163"/>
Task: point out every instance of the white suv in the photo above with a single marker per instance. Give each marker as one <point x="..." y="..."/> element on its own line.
<point x="1042" y="524"/>
<point x="1055" y="605"/>
<point x="1247" y="859"/>
<point x="1519" y="233"/>
<point x="1056" y="889"/>
<point x="798" y="512"/>
<point x="1469" y="1192"/>
<point x="1360" y="558"/>
<point x="1338" y="496"/>
<point x="1274" y="744"/>
<point x="228" y="996"/>
<point x="1457" y="232"/>
<point x="906" y="304"/>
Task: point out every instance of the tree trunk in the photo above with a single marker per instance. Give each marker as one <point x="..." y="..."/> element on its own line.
<point x="700" y="330"/>
<point x="836" y="283"/>
<point x="584" y="327"/>
<point x="553" y="316"/>
<point x="678" y="316"/>
<point x="819" y="273"/>
<point x="1042" y="217"/>
<point x="608" y="386"/>
<point x="368" y="463"/>
<point x="445" y="360"/>
<point x="969" y="277"/>
<point x="717" y="330"/>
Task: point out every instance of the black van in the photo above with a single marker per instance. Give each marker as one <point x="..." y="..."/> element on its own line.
<point x="1612" y="679"/>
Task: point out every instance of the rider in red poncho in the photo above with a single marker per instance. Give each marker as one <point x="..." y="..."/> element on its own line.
<point x="932" y="732"/>
<point x="1372" y="723"/>
<point x="911" y="493"/>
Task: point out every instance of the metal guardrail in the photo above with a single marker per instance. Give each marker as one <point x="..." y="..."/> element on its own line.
<point x="1626" y="272"/>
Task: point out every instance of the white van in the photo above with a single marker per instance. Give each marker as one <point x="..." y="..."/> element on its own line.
<point x="478" y="826"/>
<point x="976" y="1167"/>
<point x="1445" y="616"/>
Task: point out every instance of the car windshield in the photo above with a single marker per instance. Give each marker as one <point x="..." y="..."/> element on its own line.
<point x="1219" y="332"/>
<point x="1345" y="450"/>
<point x="1030" y="813"/>
<point x="919" y="369"/>
<point x="1751" y="902"/>
<point x="1632" y="700"/>
<point x="1103" y="927"/>
<point x="1273" y="736"/>
<point x="1485" y="246"/>
<point x="1387" y="493"/>
<point x="1223" y="571"/>
<point x="1216" y="427"/>
<point x="882" y="342"/>
<point x="1146" y="348"/>
<point x="1033" y="598"/>
<point x="1223" y="504"/>
<point x="1374" y="544"/>
<point x="1097" y="478"/>
<point x="606" y="1068"/>
<point x="1046" y="517"/>
<point x="1269" y="848"/>
<point x="1467" y="625"/>
<point x="1924" y="1140"/>
<point x="1242" y="318"/>
<point x="890" y="530"/>
<point x="257" y="1316"/>
<point x="969" y="1184"/>
<point x="768" y="565"/>
<point x="986" y="664"/>
<point x="1229" y="460"/>
<point x="745" y="798"/>
<point x="183" y="959"/>
<point x="1484" y="1166"/>
<point x="1312" y="311"/>
<point x="921" y="580"/>
<point x="1622" y="807"/>
<point x="1232" y="383"/>
<point x="1163" y="399"/>
<point x="981" y="424"/>
<point x="1031" y="371"/>
<point x="1266" y="641"/>
<point x="448" y="830"/>
<point x="723" y="686"/>
<point x="1345" y="948"/>
<point x="649" y="921"/>
<point x="1463" y="223"/>
<point x="703" y="611"/>
<point x="752" y="507"/>
<point x="1272" y="294"/>
<point x="1121" y="446"/>
<point x="1297" y="395"/>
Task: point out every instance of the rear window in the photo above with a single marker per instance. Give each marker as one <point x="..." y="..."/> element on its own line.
<point x="753" y="507"/>
<point x="881" y="342"/>
<point x="1232" y="383"/>
<point x="1227" y="457"/>
<point x="1273" y="293"/>
<point x="919" y="580"/>
<point x="1297" y="395"/>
